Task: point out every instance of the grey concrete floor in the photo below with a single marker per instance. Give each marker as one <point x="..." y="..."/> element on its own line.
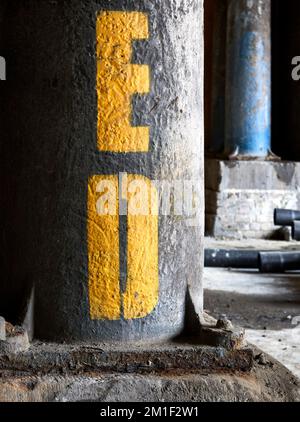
<point x="266" y="305"/>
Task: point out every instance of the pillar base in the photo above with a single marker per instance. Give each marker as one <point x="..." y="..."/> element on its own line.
<point x="169" y="372"/>
<point x="241" y="196"/>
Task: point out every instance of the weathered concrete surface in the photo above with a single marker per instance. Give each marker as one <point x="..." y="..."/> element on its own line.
<point x="268" y="381"/>
<point x="282" y="344"/>
<point x="50" y="152"/>
<point x="267" y="306"/>
<point x="241" y="197"/>
<point x="173" y="372"/>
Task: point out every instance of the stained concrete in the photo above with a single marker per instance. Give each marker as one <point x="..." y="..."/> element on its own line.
<point x="137" y="388"/>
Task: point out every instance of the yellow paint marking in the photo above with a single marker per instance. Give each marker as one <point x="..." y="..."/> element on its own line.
<point x="118" y="80"/>
<point x="103" y="248"/>
<point x="142" y="286"/>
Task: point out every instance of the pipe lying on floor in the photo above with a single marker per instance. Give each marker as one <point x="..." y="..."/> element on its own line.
<point x="285" y="217"/>
<point x="219" y="258"/>
<point x="279" y="262"/>
<point x="296" y="230"/>
<point x="266" y="262"/>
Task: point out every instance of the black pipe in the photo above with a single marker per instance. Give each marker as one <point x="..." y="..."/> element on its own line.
<point x="266" y="262"/>
<point x="285" y="217"/>
<point x="296" y="230"/>
<point x="279" y="262"/>
<point x="219" y="258"/>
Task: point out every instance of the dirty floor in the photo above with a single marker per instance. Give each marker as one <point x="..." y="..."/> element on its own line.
<point x="266" y="305"/>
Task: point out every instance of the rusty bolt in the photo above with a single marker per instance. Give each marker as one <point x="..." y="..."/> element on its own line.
<point x="15" y="340"/>
<point x="224" y="323"/>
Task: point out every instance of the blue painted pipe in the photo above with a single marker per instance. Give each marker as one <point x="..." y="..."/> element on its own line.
<point x="218" y="77"/>
<point x="248" y="81"/>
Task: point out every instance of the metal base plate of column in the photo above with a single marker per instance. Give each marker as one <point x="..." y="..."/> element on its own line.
<point x="55" y="358"/>
<point x="168" y="372"/>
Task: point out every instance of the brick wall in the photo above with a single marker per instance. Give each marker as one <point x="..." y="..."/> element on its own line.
<point x="241" y="197"/>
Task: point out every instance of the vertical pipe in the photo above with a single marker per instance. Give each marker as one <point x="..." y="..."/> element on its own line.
<point x="107" y="100"/>
<point x="248" y="87"/>
<point x="218" y="77"/>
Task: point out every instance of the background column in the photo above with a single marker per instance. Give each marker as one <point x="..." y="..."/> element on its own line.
<point x="248" y="88"/>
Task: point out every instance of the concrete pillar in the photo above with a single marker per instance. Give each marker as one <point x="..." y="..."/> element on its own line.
<point x="218" y="77"/>
<point x="248" y="87"/>
<point x="107" y="100"/>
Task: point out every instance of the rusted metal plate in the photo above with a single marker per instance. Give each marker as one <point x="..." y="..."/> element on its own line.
<point x="52" y="358"/>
